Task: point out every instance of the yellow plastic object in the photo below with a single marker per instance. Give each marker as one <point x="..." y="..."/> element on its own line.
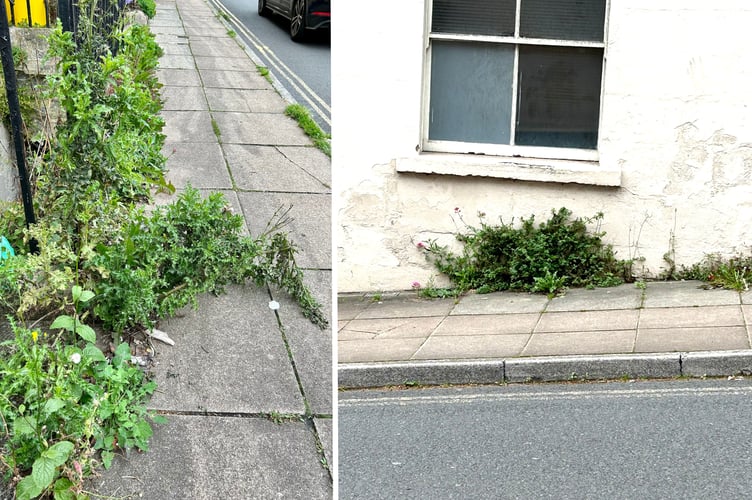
<point x="18" y="13"/>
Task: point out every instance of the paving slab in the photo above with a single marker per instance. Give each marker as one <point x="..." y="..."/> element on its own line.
<point x="263" y="129"/>
<point x="183" y="99"/>
<point x="359" y="351"/>
<point x="405" y="306"/>
<point x="311" y="160"/>
<point x="488" y="324"/>
<point x="216" y="47"/>
<point x="581" y="342"/>
<point x="390" y="328"/>
<point x="240" y="63"/>
<point x="691" y="339"/>
<point x="350" y="306"/>
<point x="188" y="126"/>
<point x="501" y="302"/>
<point x="626" y="296"/>
<point x="588" y="321"/>
<point x="177" y="60"/>
<point x="206" y="458"/>
<point x="447" y="347"/>
<point x="266" y="168"/>
<point x="244" y="100"/>
<point x="179" y="77"/>
<point x="210" y="31"/>
<point x="309" y="229"/>
<point x="176" y="47"/>
<point x="233" y="79"/>
<point x="680" y="317"/>
<point x="686" y="294"/>
<point x="201" y="165"/>
<point x="309" y="345"/>
<point x="228" y="356"/>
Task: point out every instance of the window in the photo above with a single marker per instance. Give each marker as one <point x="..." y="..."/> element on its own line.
<point x="515" y="77"/>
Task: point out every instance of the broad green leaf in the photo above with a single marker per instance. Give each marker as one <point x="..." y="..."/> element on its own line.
<point x="53" y="405"/>
<point x="62" y="489"/>
<point x="85" y="332"/>
<point x="64" y="322"/>
<point x="43" y="471"/>
<point x="24" y="425"/>
<point x="81" y="295"/>
<point x="122" y="353"/>
<point x="93" y="352"/>
<point x="27" y="489"/>
<point x="58" y="453"/>
<point x="107" y="457"/>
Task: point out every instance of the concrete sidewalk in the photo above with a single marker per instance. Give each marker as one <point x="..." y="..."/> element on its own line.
<point x="247" y="390"/>
<point x="665" y="329"/>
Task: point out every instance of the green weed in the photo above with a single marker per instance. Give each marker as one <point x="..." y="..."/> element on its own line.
<point x="320" y="139"/>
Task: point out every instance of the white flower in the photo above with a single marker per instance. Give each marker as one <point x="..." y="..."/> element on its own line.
<point x="76" y="358"/>
<point x="273" y="305"/>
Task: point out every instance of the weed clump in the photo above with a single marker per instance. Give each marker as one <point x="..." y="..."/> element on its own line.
<point x="560" y="252"/>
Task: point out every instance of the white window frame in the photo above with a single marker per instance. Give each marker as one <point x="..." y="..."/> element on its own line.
<point x="511" y="150"/>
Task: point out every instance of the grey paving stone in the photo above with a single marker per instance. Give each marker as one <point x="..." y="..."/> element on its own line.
<point x="625" y="319"/>
<point x="228" y="357"/>
<point x="179" y="77"/>
<point x="691" y="339"/>
<point x="488" y="324"/>
<point x="390" y="328"/>
<point x="241" y="63"/>
<point x="177" y="48"/>
<point x="217" y="47"/>
<point x="311" y="347"/>
<point x="310" y="228"/>
<point x="310" y="159"/>
<point x="350" y="306"/>
<point x="687" y="294"/>
<point x="188" y="126"/>
<point x="679" y="317"/>
<point x="183" y="99"/>
<point x="173" y="29"/>
<point x="472" y="346"/>
<point x="260" y="129"/>
<point x="560" y="368"/>
<point x="717" y="364"/>
<point x="200" y="164"/>
<point x="405" y="306"/>
<point x="211" y="31"/>
<point x="244" y="100"/>
<point x="421" y="372"/>
<point x="359" y="351"/>
<point x="500" y="302"/>
<point x="597" y="342"/>
<point x="226" y="79"/>
<point x="205" y="458"/>
<point x="626" y="296"/>
<point x="266" y="168"/>
<point x="176" y="61"/>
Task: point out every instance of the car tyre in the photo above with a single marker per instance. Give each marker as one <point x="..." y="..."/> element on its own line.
<point x="298" y="20"/>
<point x="263" y="10"/>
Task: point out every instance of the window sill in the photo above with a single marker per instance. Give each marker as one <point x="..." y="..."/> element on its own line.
<point x="524" y="169"/>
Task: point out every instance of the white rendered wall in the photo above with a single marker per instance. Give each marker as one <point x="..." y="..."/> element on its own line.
<point x="676" y="121"/>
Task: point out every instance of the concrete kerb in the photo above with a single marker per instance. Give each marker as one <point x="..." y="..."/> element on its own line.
<point x="545" y="369"/>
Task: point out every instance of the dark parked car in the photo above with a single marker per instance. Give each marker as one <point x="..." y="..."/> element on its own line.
<point x="304" y="15"/>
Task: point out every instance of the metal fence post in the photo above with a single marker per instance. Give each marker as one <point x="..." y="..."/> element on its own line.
<point x="11" y="89"/>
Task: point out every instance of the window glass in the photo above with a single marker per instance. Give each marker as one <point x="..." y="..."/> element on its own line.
<point x="563" y="19"/>
<point x="474" y="17"/>
<point x="559" y="96"/>
<point x="471" y="92"/>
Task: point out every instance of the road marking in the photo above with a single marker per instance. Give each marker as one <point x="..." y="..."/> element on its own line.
<point x="281" y="69"/>
<point x="542" y="396"/>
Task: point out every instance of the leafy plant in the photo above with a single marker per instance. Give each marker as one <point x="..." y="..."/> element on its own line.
<point x="557" y="253"/>
<point x="320" y="139"/>
<point x="59" y="405"/>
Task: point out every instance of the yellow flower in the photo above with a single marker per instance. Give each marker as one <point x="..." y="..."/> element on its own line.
<point x="34" y="335"/>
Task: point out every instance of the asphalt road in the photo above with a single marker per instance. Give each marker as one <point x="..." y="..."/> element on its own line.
<point x="640" y="440"/>
<point x="304" y="69"/>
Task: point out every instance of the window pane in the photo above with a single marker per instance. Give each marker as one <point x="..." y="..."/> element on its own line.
<point x="474" y="17"/>
<point x="471" y="92"/>
<point x="563" y="19"/>
<point x="559" y="92"/>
